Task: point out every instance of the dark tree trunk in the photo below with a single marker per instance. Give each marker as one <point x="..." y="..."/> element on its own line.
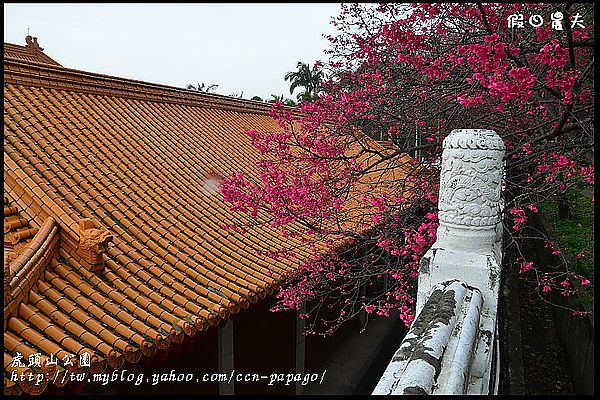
<point x="563" y="206"/>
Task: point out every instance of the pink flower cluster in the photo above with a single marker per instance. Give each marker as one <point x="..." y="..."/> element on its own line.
<point x="406" y="76"/>
<point x="519" y="217"/>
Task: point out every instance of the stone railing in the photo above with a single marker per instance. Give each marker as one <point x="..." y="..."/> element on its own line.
<point x="451" y="347"/>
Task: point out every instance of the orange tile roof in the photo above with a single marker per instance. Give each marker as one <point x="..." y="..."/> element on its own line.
<point x="129" y="170"/>
<point x="17" y="231"/>
<point x="31" y="52"/>
<point x="132" y="159"/>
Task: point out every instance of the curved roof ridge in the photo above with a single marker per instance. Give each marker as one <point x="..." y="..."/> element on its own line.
<point x="26" y="269"/>
<point x="30" y="73"/>
<point x="30" y="52"/>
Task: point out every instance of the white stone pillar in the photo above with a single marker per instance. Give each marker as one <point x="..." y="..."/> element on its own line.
<point x="450" y="345"/>
<point x="470" y="189"/>
<point x="469" y="239"/>
<point x="468" y="245"/>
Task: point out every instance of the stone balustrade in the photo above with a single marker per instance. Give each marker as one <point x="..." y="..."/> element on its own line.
<point x="451" y="346"/>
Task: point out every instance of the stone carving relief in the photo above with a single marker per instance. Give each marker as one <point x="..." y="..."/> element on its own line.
<point x="471" y="177"/>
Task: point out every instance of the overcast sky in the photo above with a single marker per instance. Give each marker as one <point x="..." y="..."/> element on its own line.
<point x="240" y="47"/>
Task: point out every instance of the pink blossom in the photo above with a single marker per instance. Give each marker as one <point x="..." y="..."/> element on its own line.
<point x="526" y="266"/>
<point x="369" y="309"/>
<point x="584" y="281"/>
<point x="314" y="178"/>
<point x="546" y="288"/>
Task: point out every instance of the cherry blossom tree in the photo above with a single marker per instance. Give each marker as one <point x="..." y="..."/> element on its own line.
<point x="353" y="174"/>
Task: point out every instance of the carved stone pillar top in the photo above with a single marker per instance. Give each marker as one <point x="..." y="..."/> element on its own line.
<point x="470" y="188"/>
<point x="473" y="139"/>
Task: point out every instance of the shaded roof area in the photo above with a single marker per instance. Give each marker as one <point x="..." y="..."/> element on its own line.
<point x="131" y="170"/>
<point x="30" y="52"/>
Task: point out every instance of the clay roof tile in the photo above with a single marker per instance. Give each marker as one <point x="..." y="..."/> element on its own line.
<point x="143" y="162"/>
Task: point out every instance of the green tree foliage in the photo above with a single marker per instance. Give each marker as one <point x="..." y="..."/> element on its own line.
<point x="307" y="78"/>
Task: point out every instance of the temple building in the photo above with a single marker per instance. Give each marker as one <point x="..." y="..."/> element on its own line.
<point x="115" y="247"/>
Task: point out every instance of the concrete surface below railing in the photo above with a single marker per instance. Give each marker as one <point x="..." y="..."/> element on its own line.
<point x="450" y="347"/>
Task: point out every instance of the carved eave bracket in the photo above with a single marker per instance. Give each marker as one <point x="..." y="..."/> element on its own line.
<point x="92" y="245"/>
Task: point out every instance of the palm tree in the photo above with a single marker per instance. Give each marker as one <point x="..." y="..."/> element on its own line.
<point x="305" y="77"/>
<point x="202" y="88"/>
<point x="275" y="99"/>
<point x="286" y="102"/>
<point x="289" y="102"/>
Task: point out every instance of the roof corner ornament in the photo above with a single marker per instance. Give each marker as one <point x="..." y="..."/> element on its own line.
<point x="32" y="43"/>
<point x="92" y="245"/>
